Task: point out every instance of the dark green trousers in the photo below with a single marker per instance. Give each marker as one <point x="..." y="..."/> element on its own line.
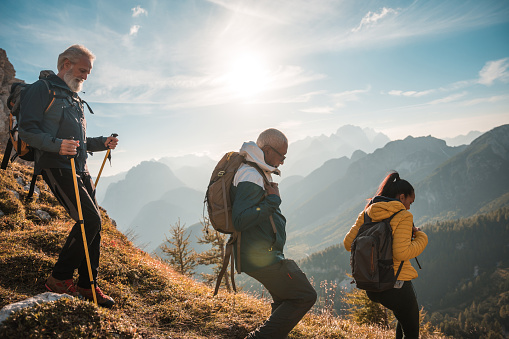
<point x="292" y="294"/>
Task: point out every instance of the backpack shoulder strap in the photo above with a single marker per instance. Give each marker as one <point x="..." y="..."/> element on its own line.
<point x="7" y="154"/>
<point x="51" y="94"/>
<point x="392" y="216"/>
<point x="367" y="218"/>
<point x="402" y="261"/>
<point x="228" y="259"/>
<point x="399" y="270"/>
<point x="252" y="164"/>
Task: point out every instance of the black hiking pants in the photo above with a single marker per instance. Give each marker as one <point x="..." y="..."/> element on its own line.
<point x="292" y="294"/>
<point x="403" y="303"/>
<point x="72" y="255"/>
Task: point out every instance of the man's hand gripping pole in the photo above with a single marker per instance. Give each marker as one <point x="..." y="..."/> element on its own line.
<point x="104" y="161"/>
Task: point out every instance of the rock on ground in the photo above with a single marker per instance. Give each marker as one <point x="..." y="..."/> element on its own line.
<point x="36" y="300"/>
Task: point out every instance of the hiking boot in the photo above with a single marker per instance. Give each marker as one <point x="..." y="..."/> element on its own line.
<point x="61" y="286"/>
<point x="102" y="299"/>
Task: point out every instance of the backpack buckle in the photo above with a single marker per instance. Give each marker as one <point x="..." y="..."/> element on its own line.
<point x="221" y="173"/>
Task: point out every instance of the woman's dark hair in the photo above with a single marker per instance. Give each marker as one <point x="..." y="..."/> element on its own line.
<point x="393" y="186"/>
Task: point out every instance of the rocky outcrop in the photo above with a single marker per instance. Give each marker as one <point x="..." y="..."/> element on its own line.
<point x="7" y="77"/>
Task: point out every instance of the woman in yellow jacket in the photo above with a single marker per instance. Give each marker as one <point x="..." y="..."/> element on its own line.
<point x="395" y="194"/>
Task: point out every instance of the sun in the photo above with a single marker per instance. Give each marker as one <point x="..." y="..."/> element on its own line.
<point x="247" y="76"/>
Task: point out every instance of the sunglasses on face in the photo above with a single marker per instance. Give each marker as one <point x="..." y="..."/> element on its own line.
<point x="275" y="150"/>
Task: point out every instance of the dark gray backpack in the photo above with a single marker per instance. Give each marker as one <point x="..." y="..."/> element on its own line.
<point x="371" y="256"/>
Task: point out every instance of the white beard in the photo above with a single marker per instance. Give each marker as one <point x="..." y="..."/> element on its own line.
<point x="75" y="84"/>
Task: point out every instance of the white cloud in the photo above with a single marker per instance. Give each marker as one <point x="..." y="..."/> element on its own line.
<point x="492" y="99"/>
<point x="411" y="93"/>
<point x="494" y="70"/>
<point x="137" y="11"/>
<point x="450" y="98"/>
<point x="372" y="18"/>
<point x="281" y="12"/>
<point x="318" y="110"/>
<point x="300" y="98"/>
<point x="289" y="76"/>
<point x="342" y="98"/>
<point x="290" y="124"/>
<point x="134" y="29"/>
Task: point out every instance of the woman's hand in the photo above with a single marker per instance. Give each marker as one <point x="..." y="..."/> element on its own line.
<point x="415" y="230"/>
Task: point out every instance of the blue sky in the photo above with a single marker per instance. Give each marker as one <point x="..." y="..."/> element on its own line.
<point x="180" y="77"/>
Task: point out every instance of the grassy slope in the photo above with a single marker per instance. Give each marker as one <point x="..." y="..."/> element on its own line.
<point x="152" y="300"/>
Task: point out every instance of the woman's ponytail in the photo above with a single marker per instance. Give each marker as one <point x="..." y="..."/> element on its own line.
<point x="392" y="186"/>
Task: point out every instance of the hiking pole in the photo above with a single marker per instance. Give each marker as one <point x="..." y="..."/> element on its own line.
<point x="104" y="161"/>
<point x="82" y="223"/>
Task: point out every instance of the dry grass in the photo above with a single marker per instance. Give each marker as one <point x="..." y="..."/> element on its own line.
<point x="153" y="301"/>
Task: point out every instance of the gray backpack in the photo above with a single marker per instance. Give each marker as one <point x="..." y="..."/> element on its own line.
<point x="371" y="256"/>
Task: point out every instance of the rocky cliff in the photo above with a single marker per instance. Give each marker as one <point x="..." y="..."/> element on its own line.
<point x="7" y="77"/>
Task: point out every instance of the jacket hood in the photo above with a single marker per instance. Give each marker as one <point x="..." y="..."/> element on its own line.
<point x="382" y="207"/>
<point x="253" y="153"/>
<point x="56" y="81"/>
<point x="380" y="198"/>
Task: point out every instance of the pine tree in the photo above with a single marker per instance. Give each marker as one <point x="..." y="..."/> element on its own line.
<point x="364" y="311"/>
<point x="215" y="255"/>
<point x="177" y="248"/>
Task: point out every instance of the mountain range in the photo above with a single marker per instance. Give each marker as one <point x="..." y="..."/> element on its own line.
<point x="307" y="154"/>
<point x="192" y="169"/>
<point x="155" y="218"/>
<point x="144" y="183"/>
<point x="335" y="194"/>
<point x="450" y="182"/>
<point x="321" y="206"/>
<point x="144" y="201"/>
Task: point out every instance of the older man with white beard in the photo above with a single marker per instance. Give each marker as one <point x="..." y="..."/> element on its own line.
<point x="52" y="120"/>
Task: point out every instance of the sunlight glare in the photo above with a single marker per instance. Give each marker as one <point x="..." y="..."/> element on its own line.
<point x="248" y="75"/>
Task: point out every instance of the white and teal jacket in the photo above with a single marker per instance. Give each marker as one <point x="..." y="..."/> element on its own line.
<point x="259" y="246"/>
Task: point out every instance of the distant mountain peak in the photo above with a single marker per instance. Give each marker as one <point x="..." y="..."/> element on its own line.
<point x="498" y="139"/>
<point x="463" y="139"/>
<point x="307" y="154"/>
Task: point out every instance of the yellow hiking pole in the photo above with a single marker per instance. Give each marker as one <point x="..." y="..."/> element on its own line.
<point x="82" y="223"/>
<point x="104" y="161"/>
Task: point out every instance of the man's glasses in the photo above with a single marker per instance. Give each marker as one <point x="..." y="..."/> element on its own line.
<point x="275" y="150"/>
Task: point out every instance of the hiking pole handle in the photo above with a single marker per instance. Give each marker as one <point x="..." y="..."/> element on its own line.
<point x="104" y="161"/>
<point x="82" y="223"/>
<point x="69" y="157"/>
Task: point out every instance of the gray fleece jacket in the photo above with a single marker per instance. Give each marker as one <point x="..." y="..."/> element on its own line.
<point x="44" y="129"/>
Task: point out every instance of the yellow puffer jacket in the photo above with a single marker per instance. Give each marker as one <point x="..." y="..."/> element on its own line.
<point x="403" y="246"/>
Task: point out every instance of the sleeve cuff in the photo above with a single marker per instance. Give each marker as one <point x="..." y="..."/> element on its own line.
<point x="54" y="145"/>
